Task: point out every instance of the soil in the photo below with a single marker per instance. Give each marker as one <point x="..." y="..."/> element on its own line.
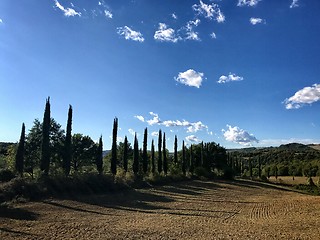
<point x="186" y="210"/>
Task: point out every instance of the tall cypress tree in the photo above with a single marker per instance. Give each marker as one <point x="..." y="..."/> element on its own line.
<point x="191" y="168"/>
<point x="159" y="152"/>
<point x="175" y="149"/>
<point x="45" y="144"/>
<point x="202" y="155"/>
<point x="183" y="159"/>
<point x="145" y="153"/>
<point x="67" y="144"/>
<point x="114" y="147"/>
<point x="153" y="167"/>
<point x="165" y="160"/>
<point x="135" y="165"/>
<point x="125" y="154"/>
<point x="20" y="152"/>
<point x="99" y="158"/>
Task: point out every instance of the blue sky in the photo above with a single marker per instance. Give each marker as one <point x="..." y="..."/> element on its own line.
<point x="237" y="72"/>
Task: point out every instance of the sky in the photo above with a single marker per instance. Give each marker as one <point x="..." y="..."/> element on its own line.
<point x="240" y="73"/>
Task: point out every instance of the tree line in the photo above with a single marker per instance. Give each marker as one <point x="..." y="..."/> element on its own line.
<point x="47" y="149"/>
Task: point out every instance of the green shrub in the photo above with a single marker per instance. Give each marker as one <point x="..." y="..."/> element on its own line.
<point x="6" y="175"/>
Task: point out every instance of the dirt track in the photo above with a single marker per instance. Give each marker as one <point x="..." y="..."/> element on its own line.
<point x="189" y="210"/>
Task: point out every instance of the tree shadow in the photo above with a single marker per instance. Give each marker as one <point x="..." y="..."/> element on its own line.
<point x="255" y="184"/>
<point x="15" y="232"/>
<point x="17" y="213"/>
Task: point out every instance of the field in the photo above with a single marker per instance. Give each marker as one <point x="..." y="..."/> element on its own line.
<point x="187" y="210"/>
<point x="290" y="181"/>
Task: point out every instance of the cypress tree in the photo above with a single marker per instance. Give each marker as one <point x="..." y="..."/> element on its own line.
<point x="67" y="144"/>
<point x="165" y="160"/>
<point x="183" y="159"/>
<point x="202" y="155"/>
<point x="191" y="168"/>
<point x="259" y="167"/>
<point x="20" y="152"/>
<point x="114" y="147"/>
<point x="45" y="144"/>
<point x="153" y="167"/>
<point x="99" y="159"/>
<point x="159" y="152"/>
<point x="175" y="149"/>
<point x="250" y="168"/>
<point x="125" y="154"/>
<point x="135" y="165"/>
<point x="145" y="153"/>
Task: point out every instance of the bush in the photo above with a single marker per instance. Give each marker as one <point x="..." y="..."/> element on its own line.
<point x="6" y="175"/>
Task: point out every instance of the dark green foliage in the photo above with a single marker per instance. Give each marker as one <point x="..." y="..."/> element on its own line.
<point x="67" y="145"/>
<point x="84" y="151"/>
<point x="45" y="145"/>
<point x="145" y="153"/>
<point x="114" y="147"/>
<point x="184" y="170"/>
<point x="159" y="152"/>
<point x="99" y="159"/>
<point x="175" y="149"/>
<point x="191" y="164"/>
<point x="165" y="160"/>
<point x="20" y="152"/>
<point x="153" y="166"/>
<point x="135" y="165"/>
<point x="125" y="154"/>
<point x="6" y="175"/>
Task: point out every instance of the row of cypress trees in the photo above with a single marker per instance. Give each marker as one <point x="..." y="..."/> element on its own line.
<point x="141" y="158"/>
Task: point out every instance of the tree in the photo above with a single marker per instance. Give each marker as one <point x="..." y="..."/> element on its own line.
<point x="159" y="152"/>
<point x="165" y="160"/>
<point x="84" y="151"/>
<point x="175" y="149"/>
<point x="183" y="159"/>
<point x="20" y="152"/>
<point x="67" y="144"/>
<point x="191" y="168"/>
<point x="99" y="158"/>
<point x="145" y="153"/>
<point x="114" y="147"/>
<point x="125" y="154"/>
<point x="153" y="167"/>
<point x="45" y="145"/>
<point x="135" y="165"/>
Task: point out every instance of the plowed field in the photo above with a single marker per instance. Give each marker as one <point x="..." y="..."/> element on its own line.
<point x="187" y="210"/>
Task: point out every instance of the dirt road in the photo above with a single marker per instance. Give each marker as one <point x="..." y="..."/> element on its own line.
<point x="188" y="210"/>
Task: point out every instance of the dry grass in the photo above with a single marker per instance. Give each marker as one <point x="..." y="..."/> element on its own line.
<point x="188" y="210"/>
<point x="290" y="181"/>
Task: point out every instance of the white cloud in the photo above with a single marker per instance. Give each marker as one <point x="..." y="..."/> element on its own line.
<point x="211" y="11"/>
<point x="108" y="14"/>
<point x="294" y="4"/>
<point x="131" y="131"/>
<point x="307" y="95"/>
<point x="213" y="35"/>
<point x="154" y="120"/>
<point x="1" y="21"/>
<point x="165" y="34"/>
<point x="155" y="134"/>
<point x="174" y="16"/>
<point x="139" y="118"/>
<point x="190" y="78"/>
<point x="255" y="21"/>
<point x="68" y="12"/>
<point x="191" y="34"/>
<point x="230" y="78"/>
<point x="130" y="34"/>
<point x="191" y="127"/>
<point x="250" y="3"/>
<point x="240" y="136"/>
<point x="192" y="138"/>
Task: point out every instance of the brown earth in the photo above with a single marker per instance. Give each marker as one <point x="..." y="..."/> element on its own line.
<point x="187" y="210"/>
